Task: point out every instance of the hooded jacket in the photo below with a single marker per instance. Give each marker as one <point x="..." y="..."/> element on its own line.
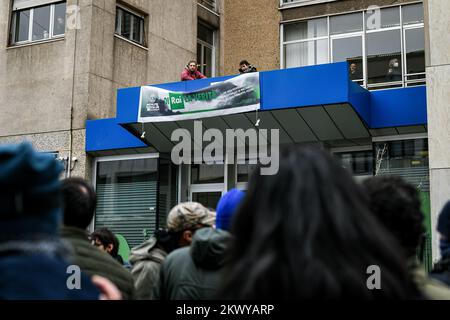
<point x="146" y="260"/>
<point x="194" y="273"/>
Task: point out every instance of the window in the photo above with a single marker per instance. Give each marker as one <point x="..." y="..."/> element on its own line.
<point x="384" y="59"/>
<point x="207" y="183"/>
<point x="412" y="14"/>
<point x="415" y="53"/>
<point x="347" y="43"/>
<point x="350" y="49"/>
<point x="380" y="55"/>
<point x="389" y="18"/>
<point x="302" y="2"/>
<point x="205" y="50"/>
<point x="36" y="23"/>
<point x="210" y="4"/>
<point x="244" y="171"/>
<point x="207" y="173"/>
<point x="306" y="30"/>
<point x="346" y="23"/>
<point x="134" y="195"/>
<point x="130" y="26"/>
<point x="359" y="163"/>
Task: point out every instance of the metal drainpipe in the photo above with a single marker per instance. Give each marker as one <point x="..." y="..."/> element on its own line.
<point x="69" y="161"/>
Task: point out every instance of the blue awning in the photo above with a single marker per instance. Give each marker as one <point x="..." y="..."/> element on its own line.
<point x="316" y="103"/>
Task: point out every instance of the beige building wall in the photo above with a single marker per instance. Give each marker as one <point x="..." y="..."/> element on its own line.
<point x="49" y="90"/>
<point x="437" y="27"/>
<point x="251" y="32"/>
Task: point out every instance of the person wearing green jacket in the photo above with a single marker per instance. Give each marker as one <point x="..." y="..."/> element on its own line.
<point x="79" y="206"/>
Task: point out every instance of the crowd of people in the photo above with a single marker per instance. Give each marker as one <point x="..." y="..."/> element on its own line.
<point x="308" y="232"/>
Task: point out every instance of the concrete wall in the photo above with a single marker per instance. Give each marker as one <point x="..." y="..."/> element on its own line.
<point x="35" y="83"/>
<point x="437" y="29"/>
<point x="49" y="90"/>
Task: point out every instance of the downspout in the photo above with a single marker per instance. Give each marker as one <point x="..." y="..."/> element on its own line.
<point x="69" y="161"/>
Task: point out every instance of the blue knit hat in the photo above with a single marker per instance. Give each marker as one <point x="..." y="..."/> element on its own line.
<point x="227" y="207"/>
<point x="30" y="194"/>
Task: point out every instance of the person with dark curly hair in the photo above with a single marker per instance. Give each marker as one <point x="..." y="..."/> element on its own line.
<point x="397" y="205"/>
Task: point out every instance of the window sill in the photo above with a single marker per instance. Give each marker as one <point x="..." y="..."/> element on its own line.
<point x="208" y="9"/>
<point x="302" y="4"/>
<point x="131" y="42"/>
<point x="33" y="43"/>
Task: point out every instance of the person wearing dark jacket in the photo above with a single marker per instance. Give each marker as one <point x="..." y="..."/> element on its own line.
<point x="441" y="270"/>
<point x="33" y="259"/>
<point x="79" y="205"/>
<point x="194" y="273"/>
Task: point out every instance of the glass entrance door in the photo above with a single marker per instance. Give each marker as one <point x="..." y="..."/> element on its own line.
<point x="208" y="199"/>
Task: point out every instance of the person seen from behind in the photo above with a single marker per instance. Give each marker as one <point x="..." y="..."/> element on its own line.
<point x="195" y="271"/>
<point x="34" y="261"/>
<point x="396" y="204"/>
<point x="307" y="233"/>
<point x="79" y="206"/>
<point x="184" y="222"/>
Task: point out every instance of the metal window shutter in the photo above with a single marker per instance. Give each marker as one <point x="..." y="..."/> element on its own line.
<point x="24" y="4"/>
<point x="128" y="209"/>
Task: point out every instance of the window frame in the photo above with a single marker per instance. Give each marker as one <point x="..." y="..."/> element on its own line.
<point x="91" y="226"/>
<point x="300" y="3"/>
<point x="394" y="84"/>
<point x="284" y="43"/>
<point x="212" y="47"/>
<point x="406" y="81"/>
<point x="52" y="36"/>
<point x="363" y="50"/>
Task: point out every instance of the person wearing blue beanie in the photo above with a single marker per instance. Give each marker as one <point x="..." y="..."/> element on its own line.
<point x="33" y="261"/>
<point x="29" y="192"/>
<point x="227" y="207"/>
